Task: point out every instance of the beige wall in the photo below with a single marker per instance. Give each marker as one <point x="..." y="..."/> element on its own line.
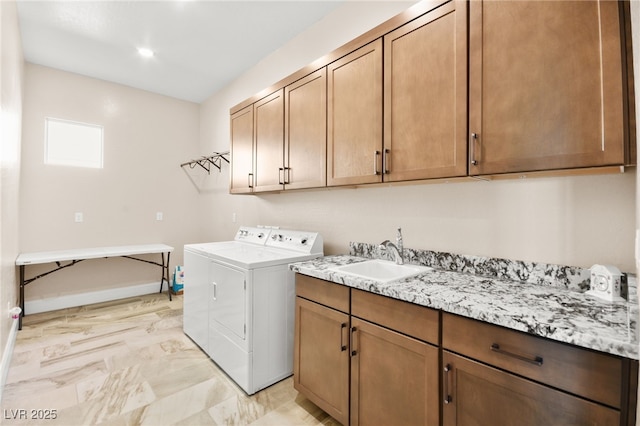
<point x="11" y="74"/>
<point x="146" y="138"/>
<point x="574" y="220"/>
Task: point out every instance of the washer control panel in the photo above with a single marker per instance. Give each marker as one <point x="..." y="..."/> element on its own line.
<point x="301" y="241"/>
<point x="248" y="234"/>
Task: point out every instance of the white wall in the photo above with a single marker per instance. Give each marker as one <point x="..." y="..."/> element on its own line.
<point x="146" y="138"/>
<point x="571" y="220"/>
<point x="11" y="75"/>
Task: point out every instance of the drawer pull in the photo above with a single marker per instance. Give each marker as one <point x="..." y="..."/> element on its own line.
<point x="447" y="398"/>
<point x="376" y="154"/>
<point x="472" y="149"/>
<point x="287" y="175"/>
<point x="385" y="161"/>
<point x="537" y="360"/>
<point x="354" y="352"/>
<point x="343" y="347"/>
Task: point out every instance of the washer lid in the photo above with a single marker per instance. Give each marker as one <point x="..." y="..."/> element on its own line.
<point x="250" y="257"/>
<point x="207" y="248"/>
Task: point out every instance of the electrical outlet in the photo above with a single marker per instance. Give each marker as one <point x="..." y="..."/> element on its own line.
<point x="159" y="216"/>
<point x="79" y="217"/>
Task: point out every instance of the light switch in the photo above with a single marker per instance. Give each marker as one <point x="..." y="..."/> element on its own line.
<point x="159" y="216"/>
<point x="79" y="217"/>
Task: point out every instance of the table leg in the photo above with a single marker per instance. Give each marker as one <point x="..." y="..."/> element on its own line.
<point x="165" y="273"/>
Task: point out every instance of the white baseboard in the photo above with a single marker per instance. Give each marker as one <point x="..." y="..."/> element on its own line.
<point x="81" y="299"/>
<point x="7" y="354"/>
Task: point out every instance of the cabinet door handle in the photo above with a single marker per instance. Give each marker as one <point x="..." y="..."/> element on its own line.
<point x="447" y="398"/>
<point x="537" y="360"/>
<point x="281" y="175"/>
<point x="472" y="148"/>
<point x="250" y="177"/>
<point x="385" y="165"/>
<point x="376" y="154"/>
<point x="343" y="327"/>
<point x="287" y="175"/>
<point x="215" y="290"/>
<point x="354" y="352"/>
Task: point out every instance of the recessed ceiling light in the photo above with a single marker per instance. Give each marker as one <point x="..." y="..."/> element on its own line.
<point x="145" y="52"/>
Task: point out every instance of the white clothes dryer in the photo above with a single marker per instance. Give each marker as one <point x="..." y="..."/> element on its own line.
<point x="239" y="301"/>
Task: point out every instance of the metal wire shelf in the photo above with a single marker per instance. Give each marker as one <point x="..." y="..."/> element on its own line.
<point x="207" y="161"/>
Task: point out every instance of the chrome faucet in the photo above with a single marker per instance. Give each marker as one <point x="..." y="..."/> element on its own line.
<point x="396" y="249"/>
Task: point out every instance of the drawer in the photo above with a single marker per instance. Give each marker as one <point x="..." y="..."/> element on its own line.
<point x="582" y="372"/>
<point x="326" y="293"/>
<point x="414" y="320"/>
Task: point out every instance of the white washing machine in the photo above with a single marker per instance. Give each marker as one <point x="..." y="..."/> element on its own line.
<point x="239" y="299"/>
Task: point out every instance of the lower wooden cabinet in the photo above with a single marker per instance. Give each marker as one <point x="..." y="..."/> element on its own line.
<point x="321" y="345"/>
<point x="496" y="376"/>
<point x="367" y="359"/>
<point x="321" y="360"/>
<point x="394" y="378"/>
<point x="476" y="394"/>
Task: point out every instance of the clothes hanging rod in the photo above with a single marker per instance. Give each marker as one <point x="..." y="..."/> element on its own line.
<point x="207" y="161"/>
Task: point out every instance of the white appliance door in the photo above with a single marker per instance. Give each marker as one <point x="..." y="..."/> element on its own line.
<point x="229" y="345"/>
<point x="228" y="299"/>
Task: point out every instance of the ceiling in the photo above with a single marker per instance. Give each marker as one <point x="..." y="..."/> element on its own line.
<point x="200" y="46"/>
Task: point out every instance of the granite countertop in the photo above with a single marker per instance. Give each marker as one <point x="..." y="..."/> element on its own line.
<point x="554" y="312"/>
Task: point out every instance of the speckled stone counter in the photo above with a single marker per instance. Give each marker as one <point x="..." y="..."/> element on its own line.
<point x="559" y="312"/>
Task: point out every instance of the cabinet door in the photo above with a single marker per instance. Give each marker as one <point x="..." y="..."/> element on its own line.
<point x="306" y="132"/>
<point x="242" y="151"/>
<point x="394" y="378"/>
<point x="425" y="96"/>
<point x="321" y="357"/>
<point x="269" y="142"/>
<point x="196" y="298"/>
<point x="546" y="87"/>
<point x="354" y="116"/>
<point x="480" y="395"/>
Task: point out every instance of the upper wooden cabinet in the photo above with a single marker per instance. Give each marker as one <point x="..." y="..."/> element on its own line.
<point x="279" y="142"/>
<point x="306" y="132"/>
<point x="449" y="89"/>
<point x="269" y="142"/>
<point x="242" y="151"/>
<point x="425" y="96"/>
<point x="546" y="86"/>
<point x="354" y="114"/>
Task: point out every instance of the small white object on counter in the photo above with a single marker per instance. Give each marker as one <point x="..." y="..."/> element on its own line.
<point x="606" y="283"/>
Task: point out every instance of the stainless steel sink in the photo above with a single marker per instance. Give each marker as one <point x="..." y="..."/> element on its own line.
<point x="381" y="270"/>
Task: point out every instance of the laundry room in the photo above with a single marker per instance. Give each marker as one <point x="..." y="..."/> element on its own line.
<point x="167" y="179"/>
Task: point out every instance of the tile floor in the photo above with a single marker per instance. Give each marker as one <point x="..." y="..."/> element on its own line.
<point x="128" y="362"/>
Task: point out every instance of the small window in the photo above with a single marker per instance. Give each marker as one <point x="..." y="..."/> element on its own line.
<point x="69" y="143"/>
